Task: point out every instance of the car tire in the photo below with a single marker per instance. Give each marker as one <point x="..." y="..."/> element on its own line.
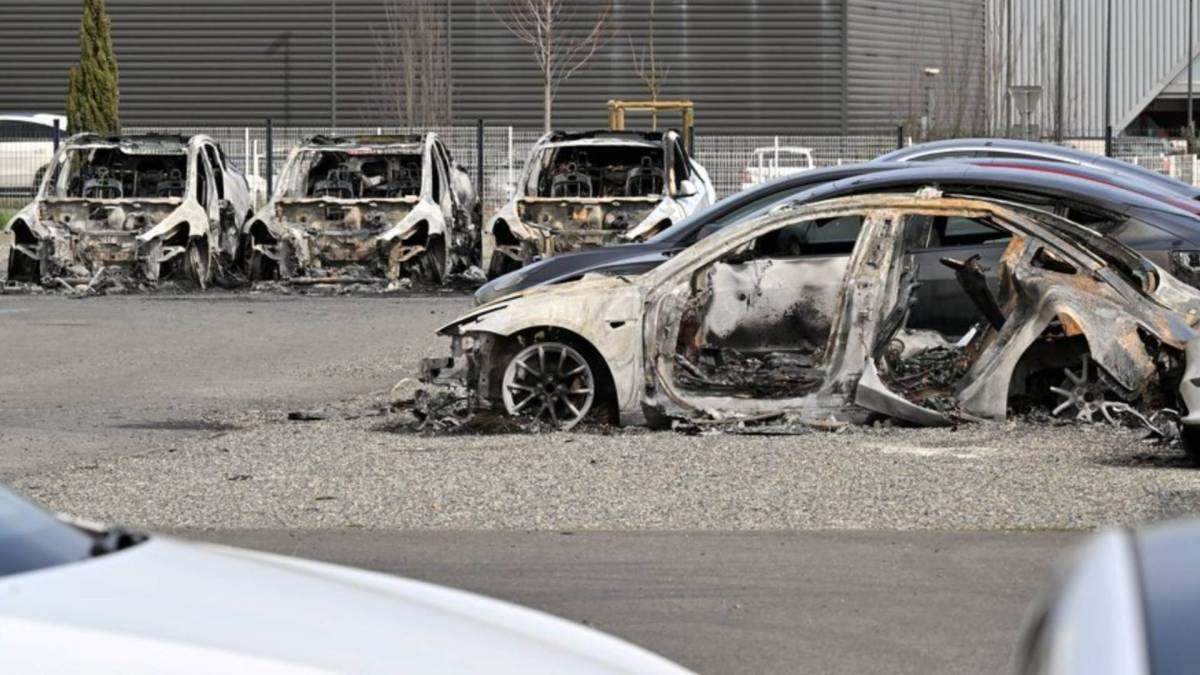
<point x="550" y="382"/>
<point x="436" y="261"/>
<point x="1190" y="440"/>
<point x="197" y="264"/>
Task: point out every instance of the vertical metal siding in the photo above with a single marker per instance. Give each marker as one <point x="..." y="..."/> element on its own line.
<point x="759" y="66"/>
<point x="763" y="65"/>
<point x="1149" y="47"/>
<point x="889" y="45"/>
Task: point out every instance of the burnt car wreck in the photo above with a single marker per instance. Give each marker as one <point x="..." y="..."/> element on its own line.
<point x="594" y="189"/>
<point x="367" y="207"/>
<point x="773" y="319"/>
<point x="151" y="206"/>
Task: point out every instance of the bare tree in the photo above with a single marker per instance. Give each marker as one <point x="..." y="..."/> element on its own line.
<point x="559" y="47"/>
<point x="412" y="66"/>
<point x="645" y="64"/>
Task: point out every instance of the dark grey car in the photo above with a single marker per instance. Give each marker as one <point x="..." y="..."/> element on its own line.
<point x="1129" y="605"/>
<point x="1136" y="214"/>
<point x="959" y="149"/>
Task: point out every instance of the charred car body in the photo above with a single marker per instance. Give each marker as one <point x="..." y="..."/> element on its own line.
<point x="742" y="325"/>
<point x="388" y="206"/>
<point x="157" y="206"/>
<point x="594" y="189"/>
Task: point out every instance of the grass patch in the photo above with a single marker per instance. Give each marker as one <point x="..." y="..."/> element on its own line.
<point x="6" y="215"/>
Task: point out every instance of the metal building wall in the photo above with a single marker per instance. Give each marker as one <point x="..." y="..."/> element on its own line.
<point x="1149" y="47"/>
<point x="890" y="44"/>
<point x="767" y="66"/>
<point x="760" y="66"/>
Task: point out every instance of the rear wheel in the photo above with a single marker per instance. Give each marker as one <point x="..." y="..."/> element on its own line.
<point x="549" y="382"/>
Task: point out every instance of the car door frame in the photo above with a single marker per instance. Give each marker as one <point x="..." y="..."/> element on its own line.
<point x="876" y="284"/>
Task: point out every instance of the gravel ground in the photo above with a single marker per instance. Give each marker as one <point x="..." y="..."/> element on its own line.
<point x="170" y="412"/>
<point x="268" y="472"/>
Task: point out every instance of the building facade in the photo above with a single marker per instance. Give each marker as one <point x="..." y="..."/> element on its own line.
<point x="755" y="66"/>
<point x="1057" y="63"/>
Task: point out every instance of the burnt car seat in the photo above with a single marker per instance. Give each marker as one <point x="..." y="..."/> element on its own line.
<point x="172" y="185"/>
<point x="571" y="183"/>
<point x="101" y="186"/>
<point x="338" y="184"/>
<point x="407" y="182"/>
<point x="644" y="180"/>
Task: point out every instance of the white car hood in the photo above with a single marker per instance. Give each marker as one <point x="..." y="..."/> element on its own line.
<point x="170" y="606"/>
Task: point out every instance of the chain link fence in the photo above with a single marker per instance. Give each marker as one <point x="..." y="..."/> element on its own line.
<point x="732" y="162"/>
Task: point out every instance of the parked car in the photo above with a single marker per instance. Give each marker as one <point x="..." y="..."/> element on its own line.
<point x="1127" y="605"/>
<point x="26" y="145"/>
<point x="775" y="161"/>
<point x="636" y="258"/>
<point x="1123" y="207"/>
<point x="156" y="205"/>
<point x="81" y="599"/>
<point x="387" y="206"/>
<point x="818" y="313"/>
<point x="1004" y="148"/>
<point x="594" y="188"/>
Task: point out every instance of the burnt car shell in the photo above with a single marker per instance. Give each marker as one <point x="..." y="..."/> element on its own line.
<point x="1061" y="283"/>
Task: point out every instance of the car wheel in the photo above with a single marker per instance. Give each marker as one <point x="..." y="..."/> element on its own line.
<point x="197" y="265"/>
<point x="501" y="265"/>
<point x="1190" y="438"/>
<point x="22" y="268"/>
<point x="550" y="382"/>
<point x="260" y="268"/>
<point x="436" y="261"/>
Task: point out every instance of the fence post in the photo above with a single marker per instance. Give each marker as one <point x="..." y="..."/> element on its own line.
<point x="57" y="135"/>
<point x="508" y="178"/>
<point x="899" y="136"/>
<point x="1108" y="141"/>
<point x="246" y="148"/>
<point x="270" y="157"/>
<point x="479" y="165"/>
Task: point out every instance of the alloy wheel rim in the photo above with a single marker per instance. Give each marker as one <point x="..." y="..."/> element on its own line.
<point x="550" y="382"/>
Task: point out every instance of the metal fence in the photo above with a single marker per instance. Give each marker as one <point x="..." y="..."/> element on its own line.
<point x="505" y="150"/>
<point x="730" y="160"/>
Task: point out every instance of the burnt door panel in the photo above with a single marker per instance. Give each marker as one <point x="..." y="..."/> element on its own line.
<point x="942" y="304"/>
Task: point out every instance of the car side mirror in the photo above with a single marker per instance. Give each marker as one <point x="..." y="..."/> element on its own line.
<point x="686" y="189"/>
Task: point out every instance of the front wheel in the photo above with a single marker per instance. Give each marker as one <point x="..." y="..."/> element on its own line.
<point x="435" y="262"/>
<point x="551" y="382"/>
<point x="197" y="264"/>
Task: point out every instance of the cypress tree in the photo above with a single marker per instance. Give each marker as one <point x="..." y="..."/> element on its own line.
<point x="92" y="95"/>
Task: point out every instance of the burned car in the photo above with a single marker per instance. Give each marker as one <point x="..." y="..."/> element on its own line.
<point x="366" y="207"/>
<point x="772" y="318"/>
<point x="155" y="206"/>
<point x="594" y="189"/>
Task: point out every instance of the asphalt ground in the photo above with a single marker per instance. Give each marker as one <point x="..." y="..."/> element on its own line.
<point x="876" y="550"/>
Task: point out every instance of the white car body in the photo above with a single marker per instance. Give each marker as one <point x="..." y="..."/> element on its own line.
<point x="776" y="161"/>
<point x="167" y="606"/>
<point x="61" y="231"/>
<point x="429" y="226"/>
<point x="26" y="145"/>
<point x="532" y="226"/>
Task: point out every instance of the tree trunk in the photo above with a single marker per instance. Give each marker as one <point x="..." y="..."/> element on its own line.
<point x="547" y="101"/>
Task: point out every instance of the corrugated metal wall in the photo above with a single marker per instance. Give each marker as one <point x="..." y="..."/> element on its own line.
<point x="892" y="42"/>
<point x="763" y="66"/>
<point x="1149" y="47"/>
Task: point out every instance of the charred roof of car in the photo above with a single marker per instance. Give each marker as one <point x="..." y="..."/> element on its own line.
<point x="605" y="134"/>
<point x="365" y="140"/>
<point x="158" y="143"/>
